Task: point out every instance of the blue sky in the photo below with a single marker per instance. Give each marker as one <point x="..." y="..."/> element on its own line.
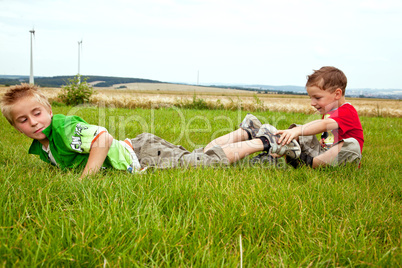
<point x="250" y="42"/>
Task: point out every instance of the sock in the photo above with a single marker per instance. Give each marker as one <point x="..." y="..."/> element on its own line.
<point x="265" y="142"/>
<point x="249" y="134"/>
<point x="294" y="162"/>
<point x="304" y="159"/>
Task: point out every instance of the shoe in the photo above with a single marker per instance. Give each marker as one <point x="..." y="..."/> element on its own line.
<point x="264" y="159"/>
<point x="294" y="162"/>
<point x="251" y="125"/>
<point x="292" y="149"/>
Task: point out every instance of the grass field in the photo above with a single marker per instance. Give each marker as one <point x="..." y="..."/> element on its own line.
<point x="255" y="216"/>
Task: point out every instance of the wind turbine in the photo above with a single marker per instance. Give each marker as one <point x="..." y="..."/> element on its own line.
<point x="31" y="77"/>
<point x="79" y="50"/>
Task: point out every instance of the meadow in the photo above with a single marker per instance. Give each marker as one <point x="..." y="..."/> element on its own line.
<point x="241" y="215"/>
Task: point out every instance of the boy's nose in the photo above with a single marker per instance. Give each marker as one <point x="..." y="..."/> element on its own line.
<point x="33" y="122"/>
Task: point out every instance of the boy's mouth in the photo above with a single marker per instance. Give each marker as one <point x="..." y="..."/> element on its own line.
<point x="39" y="130"/>
<point x="320" y="110"/>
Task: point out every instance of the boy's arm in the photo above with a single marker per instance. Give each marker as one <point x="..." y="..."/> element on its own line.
<point x="312" y="128"/>
<point x="97" y="154"/>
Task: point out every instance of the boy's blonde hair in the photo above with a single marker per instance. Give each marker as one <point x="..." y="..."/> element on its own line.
<point x="16" y="93"/>
<point x="328" y="78"/>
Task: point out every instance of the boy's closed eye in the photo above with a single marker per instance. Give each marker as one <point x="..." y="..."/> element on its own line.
<point x="21" y="120"/>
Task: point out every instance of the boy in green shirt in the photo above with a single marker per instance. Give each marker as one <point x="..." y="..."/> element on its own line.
<point x="70" y="142"/>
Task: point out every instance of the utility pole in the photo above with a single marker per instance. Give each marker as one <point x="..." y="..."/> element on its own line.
<point x="31" y="77"/>
<point x="79" y="50"/>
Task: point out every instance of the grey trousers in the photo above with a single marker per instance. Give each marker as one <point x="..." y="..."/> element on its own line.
<point x="153" y="151"/>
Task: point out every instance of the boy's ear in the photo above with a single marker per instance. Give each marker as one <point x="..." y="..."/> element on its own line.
<point x="338" y="93"/>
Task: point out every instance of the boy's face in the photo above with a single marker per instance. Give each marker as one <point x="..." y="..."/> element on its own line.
<point x="30" y="117"/>
<point x="323" y="100"/>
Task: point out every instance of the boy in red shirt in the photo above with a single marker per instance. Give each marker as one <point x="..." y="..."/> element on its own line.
<point x="326" y="89"/>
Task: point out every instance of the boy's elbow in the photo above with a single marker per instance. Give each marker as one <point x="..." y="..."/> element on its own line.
<point x="109" y="140"/>
<point x="331" y="124"/>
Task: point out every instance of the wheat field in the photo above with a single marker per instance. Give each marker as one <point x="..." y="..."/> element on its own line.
<point x="146" y="95"/>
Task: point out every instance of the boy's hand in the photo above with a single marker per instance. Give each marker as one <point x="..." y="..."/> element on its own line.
<point x="312" y="128"/>
<point x="288" y="135"/>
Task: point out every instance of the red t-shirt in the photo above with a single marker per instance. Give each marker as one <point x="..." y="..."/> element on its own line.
<point x="349" y="124"/>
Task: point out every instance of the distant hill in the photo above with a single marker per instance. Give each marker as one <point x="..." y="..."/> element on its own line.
<point x="108" y="81"/>
<point x="59" y="81"/>
<point x="293" y="90"/>
<point x="299" y="90"/>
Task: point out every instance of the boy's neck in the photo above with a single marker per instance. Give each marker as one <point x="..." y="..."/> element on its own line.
<point x="44" y="142"/>
<point x="341" y="102"/>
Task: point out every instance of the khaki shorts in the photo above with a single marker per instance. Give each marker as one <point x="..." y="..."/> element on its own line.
<point x="349" y="153"/>
<point x="153" y="151"/>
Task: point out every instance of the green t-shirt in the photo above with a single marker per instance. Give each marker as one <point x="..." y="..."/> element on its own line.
<point x="70" y="139"/>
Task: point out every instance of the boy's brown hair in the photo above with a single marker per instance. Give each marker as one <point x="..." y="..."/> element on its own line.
<point x="328" y="78"/>
<point x="16" y="93"/>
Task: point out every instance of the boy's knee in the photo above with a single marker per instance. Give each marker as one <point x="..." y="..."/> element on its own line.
<point x="349" y="152"/>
